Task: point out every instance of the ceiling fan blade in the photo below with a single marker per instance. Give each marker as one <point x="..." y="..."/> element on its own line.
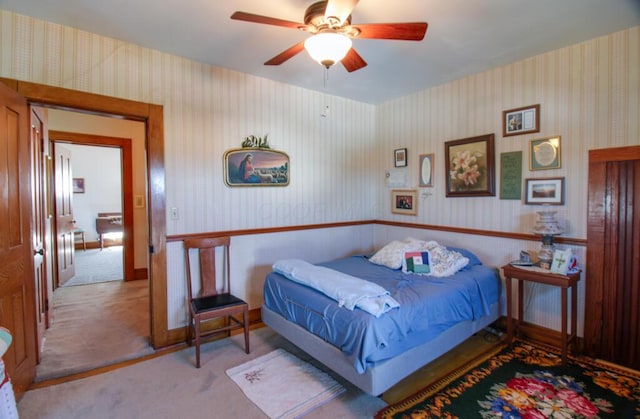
<point x="286" y="54"/>
<point x="409" y="31"/>
<point x="340" y="9"/>
<point x="250" y="17"/>
<point x="353" y="61"/>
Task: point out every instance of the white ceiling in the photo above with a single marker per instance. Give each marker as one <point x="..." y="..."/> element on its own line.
<point x="464" y="36"/>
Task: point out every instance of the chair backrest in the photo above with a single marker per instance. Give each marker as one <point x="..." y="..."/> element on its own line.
<point x="206" y="248"/>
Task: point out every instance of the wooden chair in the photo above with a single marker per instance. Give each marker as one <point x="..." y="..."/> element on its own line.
<point x="211" y="302"/>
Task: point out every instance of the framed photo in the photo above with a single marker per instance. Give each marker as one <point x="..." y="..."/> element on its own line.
<point x="470" y="166"/>
<point x="256" y="167"/>
<point x="544" y="153"/>
<point x="521" y="120"/>
<point x="400" y="157"/>
<point x="404" y="201"/>
<point x="78" y="185"/>
<point x="425" y="170"/>
<point x="548" y="190"/>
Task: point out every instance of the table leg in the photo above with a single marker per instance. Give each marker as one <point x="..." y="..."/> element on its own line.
<point x="507" y="281"/>
<point x="564" y="325"/>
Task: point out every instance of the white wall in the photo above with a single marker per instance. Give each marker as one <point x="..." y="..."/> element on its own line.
<point x="100" y="169"/>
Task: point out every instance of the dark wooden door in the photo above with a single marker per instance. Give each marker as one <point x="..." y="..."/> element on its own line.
<point x="612" y="320"/>
<point x="64" y="214"/>
<point x="16" y="251"/>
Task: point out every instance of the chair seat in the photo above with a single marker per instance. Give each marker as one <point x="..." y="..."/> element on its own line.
<point x="214" y="302"/>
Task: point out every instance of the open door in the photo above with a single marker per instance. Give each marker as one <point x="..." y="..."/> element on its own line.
<point x="17" y="298"/>
<point x="64" y="214"/>
<point x="39" y="213"/>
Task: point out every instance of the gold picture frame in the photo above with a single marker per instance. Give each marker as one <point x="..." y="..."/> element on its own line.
<point x="544" y="153"/>
<point x="404" y="201"/>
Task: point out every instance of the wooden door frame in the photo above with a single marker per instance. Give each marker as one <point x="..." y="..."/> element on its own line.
<point x="125" y="145"/>
<point x="152" y="116"/>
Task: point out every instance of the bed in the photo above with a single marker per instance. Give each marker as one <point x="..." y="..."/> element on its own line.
<point x="375" y="351"/>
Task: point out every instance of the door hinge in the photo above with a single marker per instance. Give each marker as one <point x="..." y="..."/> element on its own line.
<point x="46" y="305"/>
<point x="151" y="249"/>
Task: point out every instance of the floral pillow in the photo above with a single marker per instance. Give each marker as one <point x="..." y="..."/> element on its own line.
<point x="445" y="262"/>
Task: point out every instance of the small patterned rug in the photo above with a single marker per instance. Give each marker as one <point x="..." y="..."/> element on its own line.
<point x="527" y="380"/>
<point x="283" y="386"/>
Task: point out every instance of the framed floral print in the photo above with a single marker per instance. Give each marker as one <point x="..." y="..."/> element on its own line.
<point x="470" y="166"/>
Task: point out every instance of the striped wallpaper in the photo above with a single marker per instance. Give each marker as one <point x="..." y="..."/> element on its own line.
<point x="588" y="94"/>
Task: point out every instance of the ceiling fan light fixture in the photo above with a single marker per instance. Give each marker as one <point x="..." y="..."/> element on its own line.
<point x="328" y="48"/>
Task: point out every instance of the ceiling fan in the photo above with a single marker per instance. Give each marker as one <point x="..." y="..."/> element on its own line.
<point x="329" y="23"/>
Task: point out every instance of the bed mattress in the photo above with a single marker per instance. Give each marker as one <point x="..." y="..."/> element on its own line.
<point x="428" y="306"/>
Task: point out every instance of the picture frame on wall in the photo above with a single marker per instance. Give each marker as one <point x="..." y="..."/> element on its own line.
<point x="544" y="153"/>
<point x="425" y="170"/>
<point x="256" y="167"/>
<point x="404" y="201"/>
<point x="78" y="185"/>
<point x="470" y="166"/>
<point x="520" y="121"/>
<point x="548" y="190"/>
<point x="400" y="157"/>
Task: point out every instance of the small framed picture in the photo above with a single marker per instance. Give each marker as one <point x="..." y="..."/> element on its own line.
<point x="404" y="201"/>
<point x="425" y="170"/>
<point x="545" y="191"/>
<point x="519" y="121"/>
<point x="544" y="153"/>
<point x="78" y="185"/>
<point x="400" y="156"/>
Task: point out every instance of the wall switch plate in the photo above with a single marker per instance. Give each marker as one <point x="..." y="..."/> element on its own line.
<point x="173" y="213"/>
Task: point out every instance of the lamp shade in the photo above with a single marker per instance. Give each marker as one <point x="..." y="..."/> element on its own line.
<point x="328" y="48"/>
<point x="547" y="224"/>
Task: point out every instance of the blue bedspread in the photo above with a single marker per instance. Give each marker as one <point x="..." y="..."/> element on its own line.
<point x="427" y="307"/>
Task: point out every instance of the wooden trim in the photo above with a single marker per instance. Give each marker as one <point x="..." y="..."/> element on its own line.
<point x="254" y="231"/>
<point x="614" y="154"/>
<point x="476" y="232"/>
<point x="152" y="115"/>
<point x="140" y="273"/>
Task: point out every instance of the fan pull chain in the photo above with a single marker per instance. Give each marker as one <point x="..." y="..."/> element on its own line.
<point x="326" y="77"/>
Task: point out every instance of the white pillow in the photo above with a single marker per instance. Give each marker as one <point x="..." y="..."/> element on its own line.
<point x="391" y="255"/>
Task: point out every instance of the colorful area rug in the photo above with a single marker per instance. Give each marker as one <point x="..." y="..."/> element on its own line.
<point x="283" y="386"/>
<point x="527" y="381"/>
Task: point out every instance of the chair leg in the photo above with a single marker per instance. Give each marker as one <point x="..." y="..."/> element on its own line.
<point x="197" y="330"/>
<point x="245" y="318"/>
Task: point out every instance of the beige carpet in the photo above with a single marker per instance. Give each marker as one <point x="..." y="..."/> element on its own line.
<point x="171" y="387"/>
<point x="97" y="265"/>
<point x="95" y="325"/>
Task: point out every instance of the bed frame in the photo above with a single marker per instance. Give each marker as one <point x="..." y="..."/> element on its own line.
<point x="379" y="378"/>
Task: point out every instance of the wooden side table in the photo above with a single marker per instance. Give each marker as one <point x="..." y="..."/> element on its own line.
<point x="543" y="276"/>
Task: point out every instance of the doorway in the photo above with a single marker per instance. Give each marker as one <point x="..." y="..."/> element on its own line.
<point x="106" y="177"/>
<point x="152" y="116"/>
